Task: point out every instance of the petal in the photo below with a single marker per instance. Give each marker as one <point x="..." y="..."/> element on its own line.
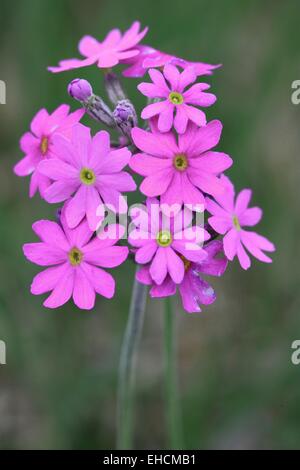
<point x="51" y="233"/>
<point x="172" y="75"/>
<point x="57" y="169"/>
<point x="215" y="209"/>
<point x="195" y="115"/>
<point x="175" y="265"/>
<point x="100" y="148"/>
<point x="145" y="254"/>
<point x="63" y="290"/>
<point x="146" y="165"/>
<point x="253" y="245"/>
<point x="114" y="161"/>
<point x="173" y="194"/>
<point x="207" y="182"/>
<point x="159" y="80"/>
<point x="38" y="122"/>
<point x="25" y="166"/>
<point x="156" y="184"/>
<point x="231" y="242"/>
<point x="220" y="224"/>
<point x="93" y="204"/>
<point x="165" y="120"/>
<point x="212" y="162"/>
<point x="191" y="195"/>
<point x="83" y="294"/>
<point x="198" y="140"/>
<point x="250" y="216"/>
<point x="76" y="207"/>
<point x="105" y="257"/>
<point x="102" y="282"/>
<point x="242" y="201"/>
<point x="143" y="276"/>
<point x="113" y="199"/>
<point x="158" y="268"/>
<point x="46" y="280"/>
<point x="166" y="289"/>
<point x="187" y="77"/>
<point x="226" y="199"/>
<point x="244" y="259"/>
<point x="152" y="91"/>
<point x="154" y="109"/>
<point x="44" y="254"/>
<point x="88" y="46"/>
<point x="121" y="181"/>
<point x="181" y="119"/>
<point x="158" y="145"/>
<point x="60" y="191"/>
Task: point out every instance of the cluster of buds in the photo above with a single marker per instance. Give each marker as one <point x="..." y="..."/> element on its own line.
<point x="192" y="223"/>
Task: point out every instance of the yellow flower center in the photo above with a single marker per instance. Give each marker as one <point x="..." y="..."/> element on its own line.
<point x="236" y="223"/>
<point x="164" y="238"/>
<point x="175" y="98"/>
<point x="180" y="162"/>
<point x="75" y="256"/>
<point x="44" y="145"/>
<point x="87" y="176"/>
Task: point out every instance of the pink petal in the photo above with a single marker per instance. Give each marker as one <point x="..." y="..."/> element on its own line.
<point x="165" y="120"/>
<point x="216" y="210"/>
<point x="102" y="282"/>
<point x="157" y="184"/>
<point x="93" y="202"/>
<point x="64" y="150"/>
<point x="254" y="246"/>
<point x="46" y="280"/>
<point x="231" y="242"/>
<point x="191" y="195"/>
<point x="196" y="96"/>
<point x="83" y="294"/>
<point x="114" y="161"/>
<point x="250" y="217"/>
<point x="88" y="46"/>
<point x="220" y="224"/>
<point x="60" y="191"/>
<point x="226" y="199"/>
<point x="152" y="91"/>
<point x="29" y="143"/>
<point x="195" y="115"/>
<point x="143" y="276"/>
<point x="166" y="289"/>
<point x="181" y="119"/>
<point x="51" y="233"/>
<point x="100" y="148"/>
<point x="44" y="254"/>
<point x="256" y="239"/>
<point x="244" y="259"/>
<point x="175" y="266"/>
<point x="198" y="140"/>
<point x="121" y="181"/>
<point x="105" y="257"/>
<point x="163" y="145"/>
<point x="159" y="80"/>
<point x="113" y="199"/>
<point x="145" y="254"/>
<point x="57" y="170"/>
<point x="81" y="141"/>
<point x="173" y="194"/>
<point x="146" y="165"/>
<point x="242" y="201"/>
<point x="154" y="109"/>
<point x="212" y="162"/>
<point x="158" y="268"/>
<point x="76" y="207"/>
<point x="38" y="122"/>
<point x="187" y="77"/>
<point x="207" y="182"/>
<point x="63" y="290"/>
<point x="70" y="64"/>
<point x="189" y="250"/>
<point x="25" y="166"/>
<point x="78" y="236"/>
<point x="172" y="75"/>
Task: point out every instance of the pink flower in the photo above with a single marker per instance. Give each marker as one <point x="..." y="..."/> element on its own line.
<point x="180" y="172"/>
<point x="89" y="169"/>
<point x="174" y="98"/>
<point x="115" y="48"/>
<point x="163" y="241"/>
<point x="194" y="290"/>
<point x="38" y="144"/>
<point x="151" y="58"/>
<point x="76" y="259"/>
<point x="228" y="217"/>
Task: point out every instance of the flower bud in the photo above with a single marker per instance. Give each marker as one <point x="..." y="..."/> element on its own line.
<point x="80" y="89"/>
<point x="125" y="117"/>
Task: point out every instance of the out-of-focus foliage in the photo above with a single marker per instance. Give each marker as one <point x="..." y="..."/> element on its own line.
<point x="239" y="388"/>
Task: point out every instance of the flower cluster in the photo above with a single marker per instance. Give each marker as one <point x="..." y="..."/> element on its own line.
<point x="191" y="224"/>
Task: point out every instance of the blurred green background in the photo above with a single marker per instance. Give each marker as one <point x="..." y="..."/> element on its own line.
<point x="239" y="388"/>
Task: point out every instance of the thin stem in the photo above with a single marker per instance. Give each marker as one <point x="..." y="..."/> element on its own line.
<point x="171" y="376"/>
<point x="127" y="366"/>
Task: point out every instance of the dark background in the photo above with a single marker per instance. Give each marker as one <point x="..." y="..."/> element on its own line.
<point x="239" y="388"/>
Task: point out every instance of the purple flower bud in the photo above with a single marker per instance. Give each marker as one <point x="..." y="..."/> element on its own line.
<point x="80" y="89"/>
<point x="125" y="116"/>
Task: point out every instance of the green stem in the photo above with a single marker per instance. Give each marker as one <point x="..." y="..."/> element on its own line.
<point x="127" y="366"/>
<point x="172" y="395"/>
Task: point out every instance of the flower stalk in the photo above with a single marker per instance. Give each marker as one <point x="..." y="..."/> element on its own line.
<point x="127" y="367"/>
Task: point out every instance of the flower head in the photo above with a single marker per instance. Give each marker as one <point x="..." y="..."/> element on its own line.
<point x="38" y="144"/>
<point x="229" y="216"/>
<point x="180" y="172"/>
<point x="108" y="53"/>
<point x="149" y="57"/>
<point x="80" y="89"/>
<point x="163" y="241"/>
<point x="88" y="168"/>
<point x="76" y="259"/>
<point x="174" y="98"/>
<point x="194" y="290"/>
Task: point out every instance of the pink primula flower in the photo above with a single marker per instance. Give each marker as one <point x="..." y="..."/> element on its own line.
<point x="76" y="260"/>
<point x="229" y="217"/>
<point x="174" y="98"/>
<point x="194" y="290"/>
<point x="163" y="241"/>
<point x="88" y="168"/>
<point x="38" y="144"/>
<point x="152" y="58"/>
<point x="180" y="171"/>
<point x="108" y="53"/>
